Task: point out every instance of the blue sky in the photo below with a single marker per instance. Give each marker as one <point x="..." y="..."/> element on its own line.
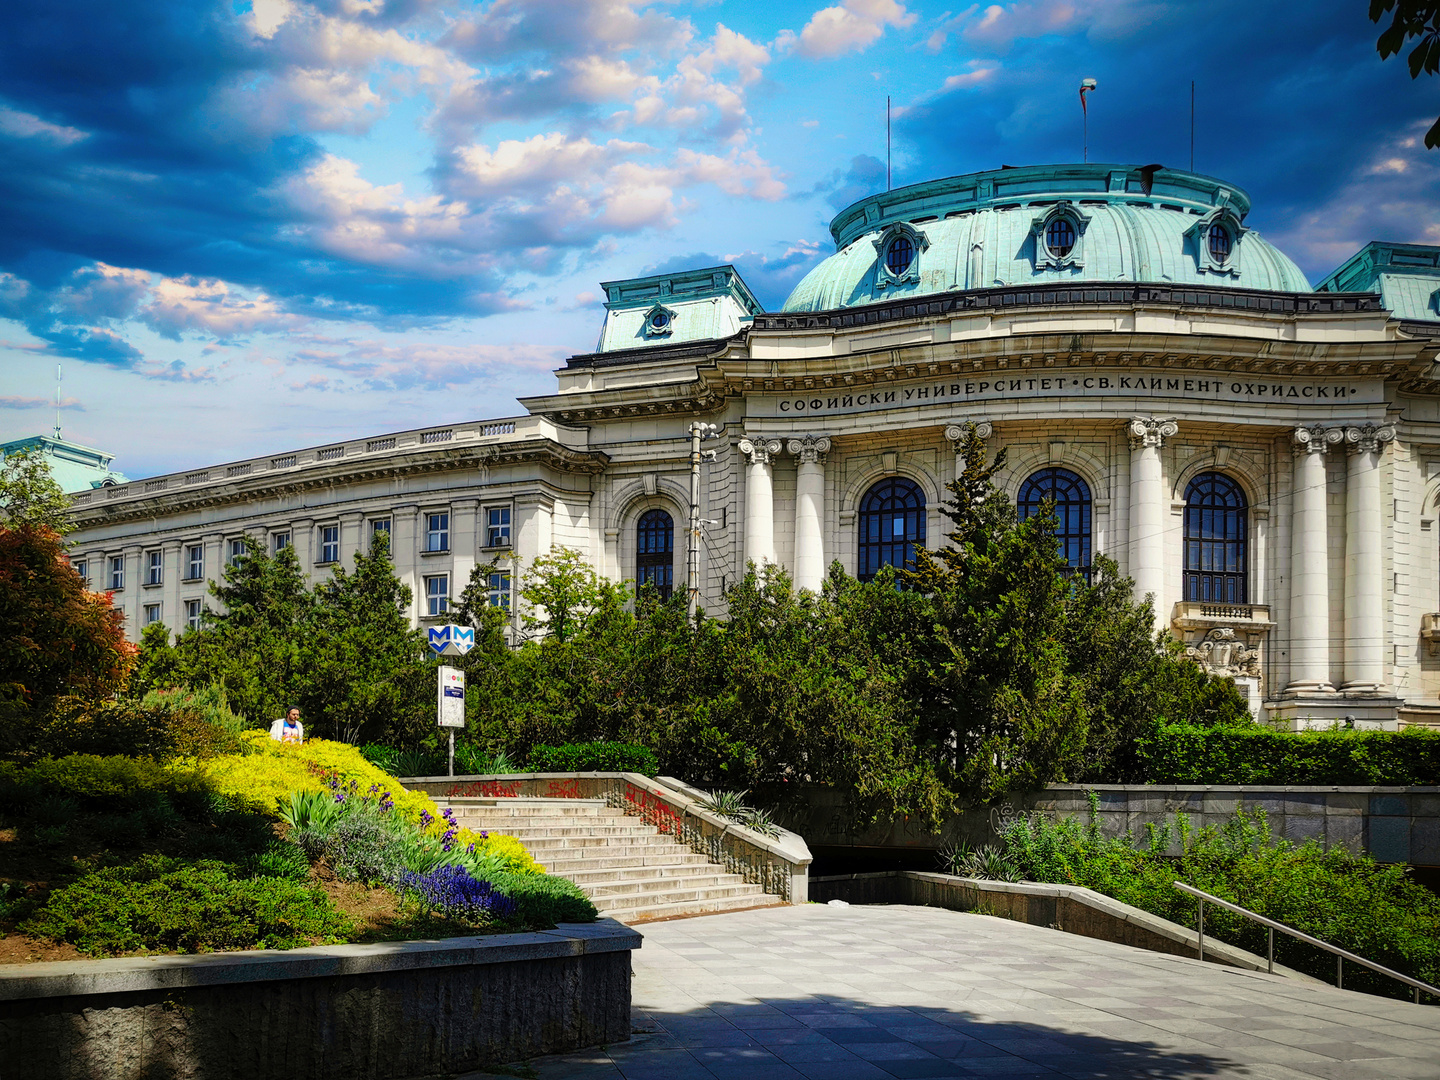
<point x="248" y="225"/>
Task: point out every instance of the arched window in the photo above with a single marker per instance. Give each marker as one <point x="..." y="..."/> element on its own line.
<point x="900" y="255"/>
<point x="1071" y="496"/>
<point x="655" y="548"/>
<point x="1219" y="240"/>
<point x="1215" y="531"/>
<point x="892" y="525"/>
<point x="1060" y="236"/>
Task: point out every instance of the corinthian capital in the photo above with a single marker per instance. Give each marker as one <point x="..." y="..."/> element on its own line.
<point x="759" y="449"/>
<point x="956" y="433"/>
<point x="809" y="448"/>
<point x="1315" y="439"/>
<point x="1151" y="431"/>
<point x="1368" y="438"/>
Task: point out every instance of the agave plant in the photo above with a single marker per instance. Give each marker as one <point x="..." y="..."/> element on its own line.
<point x="474" y="760"/>
<point x="760" y="821"/>
<point x="728" y="804"/>
<point x="311" y="811"/>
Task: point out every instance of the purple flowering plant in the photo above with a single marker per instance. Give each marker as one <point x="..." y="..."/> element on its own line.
<point x="452" y="891"/>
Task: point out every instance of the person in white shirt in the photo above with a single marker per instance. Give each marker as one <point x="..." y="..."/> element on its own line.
<point x="288" y="728"/>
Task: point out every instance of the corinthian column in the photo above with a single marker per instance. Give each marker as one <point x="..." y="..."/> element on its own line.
<point x="1309" y="576"/>
<point x="759" y="500"/>
<point x="955" y="433"/>
<point x="1147" y="508"/>
<point x="810" y="510"/>
<point x="1364" y="603"/>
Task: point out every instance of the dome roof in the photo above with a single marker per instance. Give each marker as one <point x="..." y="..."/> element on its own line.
<point x="1044" y="223"/>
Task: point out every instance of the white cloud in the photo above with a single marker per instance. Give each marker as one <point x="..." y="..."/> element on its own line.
<point x="851" y="27"/>
<point x="213" y="307"/>
<point x="23" y="125"/>
<point x="974" y="77"/>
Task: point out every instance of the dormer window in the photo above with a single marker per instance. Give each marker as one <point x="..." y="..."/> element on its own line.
<point x="899" y="255"/>
<point x="898" y="250"/>
<point x="1059" y="234"/>
<point x="1213" y="239"/>
<point x="1219" y="241"/>
<point x="659" y="321"/>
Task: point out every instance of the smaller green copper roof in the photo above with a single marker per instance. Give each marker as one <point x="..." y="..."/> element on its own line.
<point x="1407" y="277"/>
<point x="669" y="309"/>
<point x="74" y="467"/>
<point x="988" y="229"/>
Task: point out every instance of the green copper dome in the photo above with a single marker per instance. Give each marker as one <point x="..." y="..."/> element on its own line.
<point x="1044" y="223"/>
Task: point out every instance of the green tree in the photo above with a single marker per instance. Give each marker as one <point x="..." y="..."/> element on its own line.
<point x="1412" y="19"/>
<point x="30" y="495"/>
<point x="562" y="593"/>
<point x="159" y="665"/>
<point x="365" y="674"/>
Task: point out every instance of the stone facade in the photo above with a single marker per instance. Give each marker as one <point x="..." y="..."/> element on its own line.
<point x="1317" y="409"/>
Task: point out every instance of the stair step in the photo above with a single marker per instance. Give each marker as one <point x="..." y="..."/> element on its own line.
<point x="579" y="843"/>
<point x="688" y="907"/>
<point x="572" y="829"/>
<point x="679" y="858"/>
<point x="644" y="898"/>
<point x="700" y="884"/>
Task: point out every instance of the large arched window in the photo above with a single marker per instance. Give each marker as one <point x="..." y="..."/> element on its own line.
<point x="1071" y="496"/>
<point x="1215" y="531"/>
<point x="892" y="525"/>
<point x="655" y="552"/>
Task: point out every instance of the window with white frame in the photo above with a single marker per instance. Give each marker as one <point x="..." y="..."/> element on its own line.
<point x="117" y="572"/>
<point x="82" y="567"/>
<point x="154" y="567"/>
<point x="499" y="589"/>
<point x="281" y="540"/>
<point x="237" y="549"/>
<point x="437" y="594"/>
<point x="192" y="614"/>
<point x="437" y="532"/>
<point x="378" y="525"/>
<point x="152" y="614"/>
<point x="329" y="543"/>
<point x="497" y="526"/>
<point x="194" y="562"/>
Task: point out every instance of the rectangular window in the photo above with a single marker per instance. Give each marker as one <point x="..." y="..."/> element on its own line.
<point x="237" y="548"/>
<point x="379" y="525"/>
<point x="153" y="568"/>
<point x="497" y="529"/>
<point x="81" y="567"/>
<point x="152" y="614"/>
<point x="281" y="540"/>
<point x="117" y="572"/>
<point x="192" y="614"/>
<point x="329" y="543"/>
<point x="437" y="532"/>
<point x="437" y="594"/>
<point x="195" y="562"/>
<point x="499" y="591"/>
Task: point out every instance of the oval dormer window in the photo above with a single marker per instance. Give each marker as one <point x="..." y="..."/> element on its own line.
<point x="659" y="321"/>
<point x="899" y="255"/>
<point x="1219" y="241"/>
<point x="1060" y="236"/>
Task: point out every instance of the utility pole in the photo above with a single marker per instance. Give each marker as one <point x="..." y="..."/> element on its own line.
<point x="698" y="431"/>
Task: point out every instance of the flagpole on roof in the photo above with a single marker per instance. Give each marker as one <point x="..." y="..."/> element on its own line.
<point x="1086" y="85"/>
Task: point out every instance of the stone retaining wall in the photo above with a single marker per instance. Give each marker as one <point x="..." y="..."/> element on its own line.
<point x="356" y="1012"/>
<point x="1392" y="824"/>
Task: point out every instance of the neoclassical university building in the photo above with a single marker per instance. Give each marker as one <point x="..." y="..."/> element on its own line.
<point x="1260" y="455"/>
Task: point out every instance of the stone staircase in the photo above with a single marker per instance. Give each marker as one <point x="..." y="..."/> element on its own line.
<point x="628" y="869"/>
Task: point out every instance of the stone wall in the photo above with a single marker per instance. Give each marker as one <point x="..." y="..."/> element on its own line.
<point x="1392" y="824"/>
<point x="359" y="1012"/>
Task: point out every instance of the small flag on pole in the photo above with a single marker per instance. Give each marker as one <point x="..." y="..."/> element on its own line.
<point x="1086" y="85"/>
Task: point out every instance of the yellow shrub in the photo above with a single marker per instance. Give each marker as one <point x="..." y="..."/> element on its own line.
<point x="272" y="770"/>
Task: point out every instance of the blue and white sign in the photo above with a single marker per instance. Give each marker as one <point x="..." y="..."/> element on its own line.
<point x="450" y="704"/>
<point x="452" y="640"/>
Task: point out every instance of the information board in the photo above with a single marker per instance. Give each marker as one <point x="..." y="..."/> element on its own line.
<point x="450" y="707"/>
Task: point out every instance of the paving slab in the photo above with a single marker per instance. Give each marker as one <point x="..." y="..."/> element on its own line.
<point x="890" y="992"/>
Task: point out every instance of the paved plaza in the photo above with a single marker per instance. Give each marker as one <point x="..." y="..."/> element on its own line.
<point x="882" y="992"/>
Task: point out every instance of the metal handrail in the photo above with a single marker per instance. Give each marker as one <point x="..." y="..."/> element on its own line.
<point x="1341" y="955"/>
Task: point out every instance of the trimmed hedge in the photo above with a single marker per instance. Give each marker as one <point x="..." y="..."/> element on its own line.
<point x="594" y="757"/>
<point x="1190" y="754"/>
